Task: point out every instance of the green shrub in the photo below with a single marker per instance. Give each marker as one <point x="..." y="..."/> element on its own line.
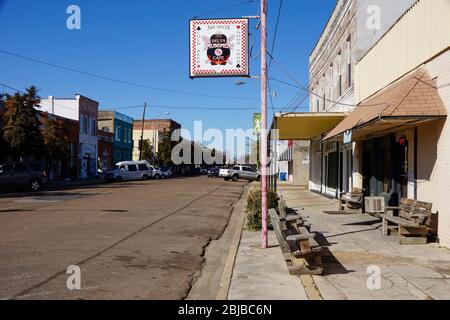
<point x="253" y="208"/>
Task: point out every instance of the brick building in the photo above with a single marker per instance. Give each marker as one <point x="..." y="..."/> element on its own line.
<point x="67" y="169"/>
<point x="122" y="127"/>
<point x="105" y="150"/>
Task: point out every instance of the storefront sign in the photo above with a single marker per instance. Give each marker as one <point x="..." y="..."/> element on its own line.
<point x="348" y="136"/>
<point x="219" y="48"/>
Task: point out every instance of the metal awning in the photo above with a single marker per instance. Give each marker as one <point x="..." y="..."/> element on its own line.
<point x="410" y="101"/>
<point x="305" y="126"/>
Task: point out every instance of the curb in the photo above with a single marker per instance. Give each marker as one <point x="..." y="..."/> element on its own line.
<point x="225" y="282"/>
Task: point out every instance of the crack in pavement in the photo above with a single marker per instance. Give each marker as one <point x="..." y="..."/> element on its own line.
<point x="26" y="291"/>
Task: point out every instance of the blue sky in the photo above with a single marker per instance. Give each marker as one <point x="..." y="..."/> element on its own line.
<point x="147" y="42"/>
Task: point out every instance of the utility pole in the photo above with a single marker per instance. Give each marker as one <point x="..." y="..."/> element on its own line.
<point x="141" y="143"/>
<point x="263" y="135"/>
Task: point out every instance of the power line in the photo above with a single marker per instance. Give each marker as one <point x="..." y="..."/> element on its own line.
<point x="189" y="108"/>
<point x="135" y="84"/>
<point x="275" y="33"/>
<point x="11" y="88"/>
<point x="306" y="89"/>
<point x="224" y="9"/>
<point x="154" y="106"/>
<point x="272" y="51"/>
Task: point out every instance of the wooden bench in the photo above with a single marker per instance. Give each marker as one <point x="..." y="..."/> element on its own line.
<point x="412" y="223"/>
<point x="292" y="216"/>
<point x="301" y="251"/>
<point x="352" y="200"/>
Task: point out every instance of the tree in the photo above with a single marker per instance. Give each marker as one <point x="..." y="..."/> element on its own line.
<point x="165" y="148"/>
<point x="55" y="138"/>
<point x="5" y="150"/>
<point x="147" y="151"/>
<point x="21" y="123"/>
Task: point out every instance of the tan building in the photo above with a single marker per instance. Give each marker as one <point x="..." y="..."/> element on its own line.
<point x="400" y="126"/>
<point x="152" y="132"/>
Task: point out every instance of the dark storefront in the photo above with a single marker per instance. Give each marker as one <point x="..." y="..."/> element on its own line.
<point x="385" y="168"/>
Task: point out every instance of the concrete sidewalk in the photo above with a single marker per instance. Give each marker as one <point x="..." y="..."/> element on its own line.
<point x="353" y="243"/>
<point x="262" y="274"/>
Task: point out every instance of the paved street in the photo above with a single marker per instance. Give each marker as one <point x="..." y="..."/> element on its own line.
<point x="133" y="240"/>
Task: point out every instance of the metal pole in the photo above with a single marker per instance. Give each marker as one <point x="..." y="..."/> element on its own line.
<point x="141" y="143"/>
<point x="263" y="145"/>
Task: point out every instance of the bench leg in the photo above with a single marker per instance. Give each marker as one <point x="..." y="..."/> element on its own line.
<point x="412" y="235"/>
<point x="342" y="205"/>
<point x="384" y="228"/>
<point x="305" y="248"/>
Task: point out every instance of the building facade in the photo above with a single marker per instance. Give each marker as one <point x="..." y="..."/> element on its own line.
<point x="353" y="28"/>
<point x="105" y="150"/>
<point x="331" y="73"/>
<point x="85" y="111"/>
<point x="122" y="127"/>
<point x="152" y="132"/>
<point x="400" y="126"/>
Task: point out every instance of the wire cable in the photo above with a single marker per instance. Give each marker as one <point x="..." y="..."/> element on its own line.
<point x="304" y="88"/>
<point x="98" y="76"/>
<point x="224" y="9"/>
<point x="189" y="108"/>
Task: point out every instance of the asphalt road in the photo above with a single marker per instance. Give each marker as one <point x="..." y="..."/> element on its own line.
<point x="131" y="240"/>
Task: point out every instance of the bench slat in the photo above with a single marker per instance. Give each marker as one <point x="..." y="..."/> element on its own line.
<point x="398" y="220"/>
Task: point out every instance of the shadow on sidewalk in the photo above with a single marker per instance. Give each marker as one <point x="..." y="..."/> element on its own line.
<point x="331" y="264"/>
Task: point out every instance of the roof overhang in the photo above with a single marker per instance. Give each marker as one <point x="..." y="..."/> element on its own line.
<point x="386" y="125"/>
<point x="409" y="101"/>
<point x="305" y="126"/>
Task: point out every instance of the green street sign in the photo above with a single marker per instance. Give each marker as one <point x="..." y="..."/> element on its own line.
<point x="257" y="123"/>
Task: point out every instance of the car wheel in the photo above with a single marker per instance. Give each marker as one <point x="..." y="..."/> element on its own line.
<point x="258" y="179"/>
<point x="235" y="178"/>
<point x="157" y="176"/>
<point x="226" y="179"/>
<point x="145" y="177"/>
<point x="35" y="185"/>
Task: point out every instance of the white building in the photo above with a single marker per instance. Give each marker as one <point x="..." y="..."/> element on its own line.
<point x="85" y="111"/>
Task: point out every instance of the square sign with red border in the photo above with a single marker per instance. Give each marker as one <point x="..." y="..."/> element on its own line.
<point x="219" y="48"/>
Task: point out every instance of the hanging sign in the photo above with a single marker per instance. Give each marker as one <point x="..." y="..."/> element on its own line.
<point x="348" y="137"/>
<point x="219" y="48"/>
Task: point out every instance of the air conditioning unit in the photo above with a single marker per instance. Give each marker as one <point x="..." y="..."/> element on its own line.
<point x="374" y="205"/>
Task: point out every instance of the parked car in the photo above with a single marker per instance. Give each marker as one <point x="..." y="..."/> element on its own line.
<point x="203" y="171"/>
<point x="22" y="175"/>
<point x="240" y="172"/>
<point x="158" y="173"/>
<point x="166" y="171"/>
<point x="213" y="172"/>
<point x="130" y="170"/>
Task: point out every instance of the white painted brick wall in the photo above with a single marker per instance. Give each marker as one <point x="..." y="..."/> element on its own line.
<point x="436" y="137"/>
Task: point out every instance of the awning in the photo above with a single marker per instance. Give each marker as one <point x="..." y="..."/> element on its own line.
<point x="305" y="126"/>
<point x="409" y="101"/>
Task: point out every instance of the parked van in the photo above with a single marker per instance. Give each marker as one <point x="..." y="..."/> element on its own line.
<point x="130" y="170"/>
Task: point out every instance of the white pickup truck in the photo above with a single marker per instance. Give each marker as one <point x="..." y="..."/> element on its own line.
<point x="240" y="172"/>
